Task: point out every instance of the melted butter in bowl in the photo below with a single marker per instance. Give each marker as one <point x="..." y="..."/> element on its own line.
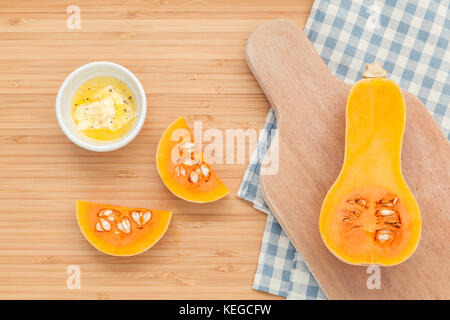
<point x="103" y="108"/>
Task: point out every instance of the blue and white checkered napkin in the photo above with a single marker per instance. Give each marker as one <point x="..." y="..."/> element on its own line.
<point x="411" y="39"/>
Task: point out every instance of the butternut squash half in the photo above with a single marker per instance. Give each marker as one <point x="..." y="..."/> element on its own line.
<point x="183" y="168"/>
<point x="369" y="215"/>
<point x="121" y="231"/>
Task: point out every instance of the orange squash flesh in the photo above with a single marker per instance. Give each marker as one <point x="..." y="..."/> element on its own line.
<point x="369" y="216"/>
<point x="171" y="159"/>
<point x="141" y="236"/>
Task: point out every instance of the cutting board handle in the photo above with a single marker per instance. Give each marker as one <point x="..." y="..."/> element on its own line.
<point x="266" y="43"/>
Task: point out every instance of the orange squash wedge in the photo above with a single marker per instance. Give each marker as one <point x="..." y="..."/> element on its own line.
<point x="121" y="231"/>
<point x="369" y="215"/>
<point x="182" y="166"/>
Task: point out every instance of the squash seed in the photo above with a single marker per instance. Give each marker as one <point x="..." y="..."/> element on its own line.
<point x="362" y="203"/>
<point x="136" y="217"/>
<point x="105" y="212"/>
<point x="387" y="212"/>
<point x="98" y="226"/>
<point x="189" y="162"/>
<point x="384" y="236"/>
<point x="387" y="219"/>
<point x="193" y="177"/>
<point x="205" y="170"/>
<point x="146" y="217"/>
<point x="105" y="224"/>
<point x="141" y="218"/>
<point x="124" y="225"/>
<point x="395" y="224"/>
<point x="188" y="147"/>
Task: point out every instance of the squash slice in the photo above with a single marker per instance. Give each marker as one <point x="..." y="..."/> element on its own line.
<point x="369" y="215"/>
<point x="183" y="168"/>
<point x="121" y="231"/>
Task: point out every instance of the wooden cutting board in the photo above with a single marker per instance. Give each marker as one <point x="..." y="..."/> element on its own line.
<point x="309" y="102"/>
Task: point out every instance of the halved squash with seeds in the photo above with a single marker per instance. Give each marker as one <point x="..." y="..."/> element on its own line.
<point x="121" y="231"/>
<point x="369" y="215"/>
<point x="183" y="168"/>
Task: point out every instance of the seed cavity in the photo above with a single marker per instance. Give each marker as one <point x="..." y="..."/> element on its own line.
<point x="191" y="165"/>
<point x="387" y="223"/>
<point x="141" y="218"/>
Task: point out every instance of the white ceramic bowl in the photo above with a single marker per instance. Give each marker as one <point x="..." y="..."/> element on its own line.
<point x="77" y="78"/>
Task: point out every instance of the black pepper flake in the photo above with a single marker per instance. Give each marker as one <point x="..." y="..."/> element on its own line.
<point x="110" y="90"/>
<point x="130" y="97"/>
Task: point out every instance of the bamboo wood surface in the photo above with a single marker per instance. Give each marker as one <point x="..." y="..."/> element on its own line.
<point x="310" y="106"/>
<point x="189" y="56"/>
